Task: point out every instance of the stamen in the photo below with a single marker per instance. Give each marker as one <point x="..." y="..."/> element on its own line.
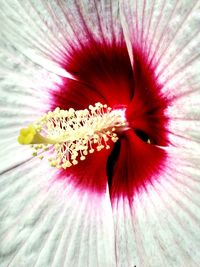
<point x="72" y="135"/>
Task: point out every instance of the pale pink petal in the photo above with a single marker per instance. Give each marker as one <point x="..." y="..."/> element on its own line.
<point x="161" y="226"/>
<point x="44" y="222"/>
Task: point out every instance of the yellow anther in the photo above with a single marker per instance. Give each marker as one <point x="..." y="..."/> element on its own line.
<point x="53" y="163"/>
<point x="75" y="162"/>
<point x="85" y="152"/>
<point x="71" y="134"/>
<point x="66" y="164"/>
<point x="99" y="148"/>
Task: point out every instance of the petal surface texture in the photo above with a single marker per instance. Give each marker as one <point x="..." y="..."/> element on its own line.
<point x="138" y="203"/>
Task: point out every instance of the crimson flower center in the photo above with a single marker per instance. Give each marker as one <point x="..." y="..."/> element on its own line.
<point x="127" y="157"/>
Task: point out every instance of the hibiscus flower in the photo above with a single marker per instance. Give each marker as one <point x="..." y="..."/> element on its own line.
<point x="108" y="93"/>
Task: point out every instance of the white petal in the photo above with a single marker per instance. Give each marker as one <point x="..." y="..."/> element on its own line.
<point x="45" y="224"/>
<point x="163" y="223"/>
<point x="162" y="227"/>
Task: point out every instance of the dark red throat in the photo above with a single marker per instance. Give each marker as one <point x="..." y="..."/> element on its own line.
<point x="104" y="74"/>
